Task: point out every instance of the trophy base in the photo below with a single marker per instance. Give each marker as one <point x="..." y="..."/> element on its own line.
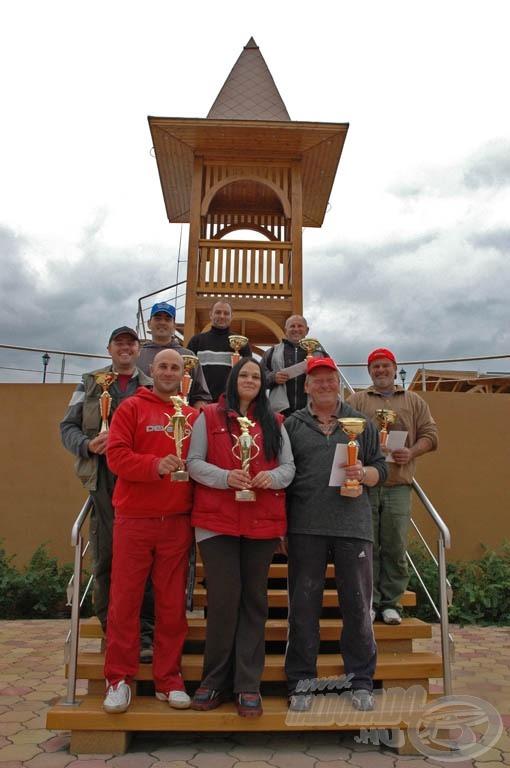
<point x="181" y="476"/>
<point x="245" y="495"/>
<point x="351" y="490"/>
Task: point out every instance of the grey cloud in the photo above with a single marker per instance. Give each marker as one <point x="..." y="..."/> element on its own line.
<point x="490" y="166"/>
<point x="77" y="302"/>
<point x="498" y="239"/>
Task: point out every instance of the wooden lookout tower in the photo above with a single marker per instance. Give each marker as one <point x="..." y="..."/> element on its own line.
<point x="247" y="179"/>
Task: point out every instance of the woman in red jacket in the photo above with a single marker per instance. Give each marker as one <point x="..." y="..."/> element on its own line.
<point x="241" y="461"/>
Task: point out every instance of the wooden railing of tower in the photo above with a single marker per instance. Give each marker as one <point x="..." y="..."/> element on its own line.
<point x="241" y="268"/>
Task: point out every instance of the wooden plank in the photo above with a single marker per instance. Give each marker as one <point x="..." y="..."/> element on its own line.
<point x="86" y="742"/>
<point x="276" y="629"/>
<point x="400" y="666"/>
<point x="278" y="598"/>
<point x="148" y="714"/>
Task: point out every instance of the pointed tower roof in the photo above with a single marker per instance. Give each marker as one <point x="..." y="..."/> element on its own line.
<point x="260" y="128"/>
<point x="249" y="92"/>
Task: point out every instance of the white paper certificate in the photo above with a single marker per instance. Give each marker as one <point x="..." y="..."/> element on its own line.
<point x="295" y="370"/>
<point x="338" y="473"/>
<point x="396" y="441"/>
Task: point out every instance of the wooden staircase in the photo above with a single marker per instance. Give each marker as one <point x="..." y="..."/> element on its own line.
<point x="399" y="667"/>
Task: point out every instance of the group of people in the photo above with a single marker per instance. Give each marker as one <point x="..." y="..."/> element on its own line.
<point x="243" y="468"/>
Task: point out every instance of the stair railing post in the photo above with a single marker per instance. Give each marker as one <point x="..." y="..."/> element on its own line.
<point x="444" y="605"/>
<point x="74" y="634"/>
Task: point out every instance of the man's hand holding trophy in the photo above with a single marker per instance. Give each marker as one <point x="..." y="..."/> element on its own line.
<point x="352" y="427"/>
<point x="178" y="430"/>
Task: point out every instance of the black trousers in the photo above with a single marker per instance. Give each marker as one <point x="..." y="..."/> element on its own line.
<point x="236" y="572"/>
<point x="307" y="561"/>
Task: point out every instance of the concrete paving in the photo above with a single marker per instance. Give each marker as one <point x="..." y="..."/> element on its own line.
<point x="32" y="679"/>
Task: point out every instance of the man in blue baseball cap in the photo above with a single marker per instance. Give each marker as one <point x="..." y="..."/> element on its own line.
<point x="162" y="329"/>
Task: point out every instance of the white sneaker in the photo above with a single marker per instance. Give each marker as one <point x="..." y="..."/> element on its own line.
<point x="176" y="699"/>
<point x="118" y="697"/>
<point x="391" y="616"/>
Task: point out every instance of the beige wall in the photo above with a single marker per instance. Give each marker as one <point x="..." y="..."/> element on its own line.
<point x="466" y="479"/>
<point x="41" y="496"/>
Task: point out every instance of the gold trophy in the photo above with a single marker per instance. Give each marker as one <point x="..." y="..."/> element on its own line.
<point x="237" y="342"/>
<point x="245" y="450"/>
<point x="180" y="431"/>
<point x="105" y="379"/>
<point x="352" y="428"/>
<point x="190" y="361"/>
<point x="309" y="345"/>
<point x="385" y="417"/>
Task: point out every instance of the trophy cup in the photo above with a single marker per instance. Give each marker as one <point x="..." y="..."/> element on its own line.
<point x="190" y="361"/>
<point x="352" y="428"/>
<point x="105" y="379"/>
<point x="309" y="345"/>
<point x="237" y="342"/>
<point x="245" y="450"/>
<point x="180" y="431"/>
<point x="385" y="417"/>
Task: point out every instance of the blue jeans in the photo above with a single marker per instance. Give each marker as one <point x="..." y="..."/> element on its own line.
<point x="307" y="561"/>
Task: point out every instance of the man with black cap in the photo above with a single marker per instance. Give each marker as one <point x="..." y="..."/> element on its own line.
<point x="162" y="328"/>
<point x="81" y="435"/>
<point x="391" y="502"/>
<point x="322" y="523"/>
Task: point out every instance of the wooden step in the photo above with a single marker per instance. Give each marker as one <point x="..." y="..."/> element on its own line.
<point x="146" y="713"/>
<point x="276" y="571"/>
<point x="276" y="630"/>
<point x="94" y="730"/>
<point x="278" y="598"/>
<point x="399" y="666"/>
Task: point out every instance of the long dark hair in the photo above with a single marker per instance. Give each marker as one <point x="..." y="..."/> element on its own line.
<point x="271" y="432"/>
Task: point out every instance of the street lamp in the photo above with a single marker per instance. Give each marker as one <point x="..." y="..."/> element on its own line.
<point x="46" y="360"/>
<point x="403" y="373"/>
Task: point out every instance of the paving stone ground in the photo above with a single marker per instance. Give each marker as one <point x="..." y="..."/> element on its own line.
<point x="32" y="679"/>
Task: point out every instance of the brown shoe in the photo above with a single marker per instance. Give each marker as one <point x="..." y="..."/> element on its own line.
<point x="249" y="704"/>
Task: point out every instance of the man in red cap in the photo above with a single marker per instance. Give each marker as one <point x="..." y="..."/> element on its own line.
<point x="322" y="524"/>
<point x="391" y="502"/>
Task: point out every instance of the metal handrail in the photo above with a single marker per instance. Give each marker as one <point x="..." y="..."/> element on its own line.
<point x="140" y="320"/>
<point x="444" y="543"/>
<point x="445" y="592"/>
<point x="73" y="636"/>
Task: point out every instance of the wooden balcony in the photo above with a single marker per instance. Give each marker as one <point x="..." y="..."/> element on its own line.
<point x="241" y="268"/>
<point x="255" y="277"/>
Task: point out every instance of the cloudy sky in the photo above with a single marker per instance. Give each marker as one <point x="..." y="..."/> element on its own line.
<point x="414" y="252"/>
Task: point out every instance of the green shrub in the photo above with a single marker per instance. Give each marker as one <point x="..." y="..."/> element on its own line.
<point x="37" y="591"/>
<point x="481" y="588"/>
